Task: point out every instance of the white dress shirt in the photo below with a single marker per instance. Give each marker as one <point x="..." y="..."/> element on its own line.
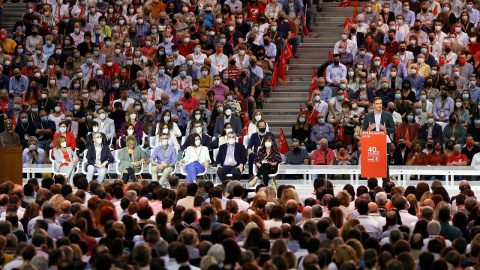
<point x="371" y="226"/>
<point x="193" y="154"/>
<point x="407" y="218"/>
<point x="219" y="60"/>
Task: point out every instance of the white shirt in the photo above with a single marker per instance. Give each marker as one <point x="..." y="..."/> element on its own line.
<point x="351" y="47"/>
<point x="440" y="37"/>
<point x="198" y="58"/>
<point x="242" y="64"/>
<point x="180" y="60"/>
<point x="379" y="219"/>
<point x="220" y="61"/>
<point x="125" y="103"/>
<point x="321" y="106"/>
<point x="462" y="38"/>
<point x="451" y="58"/>
<point x="158" y="92"/>
<point x="242" y="205"/>
<point x="404" y="58"/>
<point x="40" y="61"/>
<point x="199" y="154"/>
<point x="407" y="219"/>
<point x="476" y="160"/>
<point x="435" y="49"/>
<point x="371" y="226"/>
<point x="148" y="105"/>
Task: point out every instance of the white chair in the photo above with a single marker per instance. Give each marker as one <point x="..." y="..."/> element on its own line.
<point x="271" y="176"/>
<point x="246" y="139"/>
<point x="183" y="140"/>
<point x="150" y="166"/>
<point x="50" y="156"/>
<point x="184" y="173"/>
<point x="57" y="172"/>
<point x="85" y="164"/>
<point x="143" y="139"/>
<point x="117" y="163"/>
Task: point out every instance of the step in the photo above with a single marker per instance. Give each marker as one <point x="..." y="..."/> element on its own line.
<point x="326" y="38"/>
<point x="297" y="100"/>
<point x="327" y="19"/>
<point x="328" y="45"/>
<point x="312" y="60"/>
<point x="281" y="119"/>
<point x="302" y="67"/>
<point x="283" y="106"/>
<point x="303" y="95"/>
<point x="293" y="84"/>
<point x="301" y="77"/>
<point x="284" y="111"/>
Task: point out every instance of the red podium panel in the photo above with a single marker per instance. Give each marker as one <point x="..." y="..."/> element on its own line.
<point x="374" y="154"/>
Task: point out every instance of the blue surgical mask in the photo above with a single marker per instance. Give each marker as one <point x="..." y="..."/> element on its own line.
<point x="423" y="97"/>
<point x="116" y="35"/>
<point x="465" y="96"/>
<point x="343" y="86"/>
<point x="321" y="120"/>
<point x="302" y="119"/>
<point x="398" y="96"/>
<point x="137" y="53"/>
<point x="409" y="117"/>
<point x="166" y="118"/>
<point x="303" y="147"/>
<point x="419" y="111"/>
<point x="477" y="122"/>
<point x="97" y="107"/>
<point x="44" y="119"/>
<point x="89" y="117"/>
<point x="89" y="61"/>
<point x="35" y="110"/>
<point x="471" y="83"/>
<point x="220" y="109"/>
<point x="362" y="86"/>
<point x="340" y="98"/>
<point x="16" y="106"/>
<point x="196" y="50"/>
<point x="183" y="73"/>
<point x="161" y="72"/>
<point x="96" y="53"/>
<point x="423" y="50"/>
<point x="359" y="148"/>
<point x="173" y="88"/>
<point x="24" y="120"/>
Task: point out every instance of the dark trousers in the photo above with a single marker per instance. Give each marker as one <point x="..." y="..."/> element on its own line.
<point x="224" y="170"/>
<point x="130" y="174"/>
<point x="251" y="158"/>
<point x="264" y="171"/>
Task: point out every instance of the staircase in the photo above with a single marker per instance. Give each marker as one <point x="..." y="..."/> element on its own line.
<point x="281" y="108"/>
<point x="12" y="12"/>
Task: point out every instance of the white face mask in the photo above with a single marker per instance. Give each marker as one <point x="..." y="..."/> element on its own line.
<point x="165" y="131"/>
<point x="44" y="96"/>
<point x="95" y="129"/>
<point x="137" y="108"/>
<point x="317" y="98"/>
<point x="458" y="104"/>
<point x="63" y="144"/>
<point x="258" y="117"/>
<point x="228" y="130"/>
<point x="57" y="109"/>
<point x="228" y="112"/>
<point x="164" y="142"/>
<point x="98" y="140"/>
<point x="198" y="142"/>
<point x="63" y="129"/>
<point x="103" y="116"/>
<point x="130" y="131"/>
<point x="76" y="107"/>
<point x="231" y="141"/>
<point x="198" y="129"/>
<point x="197" y="116"/>
<point x="133" y="116"/>
<point x="268" y="144"/>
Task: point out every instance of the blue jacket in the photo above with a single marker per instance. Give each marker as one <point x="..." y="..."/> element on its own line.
<point x="4" y="82"/>
<point x="205" y="142"/>
<point x="255" y="141"/>
<point x="240" y="154"/>
<point x="105" y="155"/>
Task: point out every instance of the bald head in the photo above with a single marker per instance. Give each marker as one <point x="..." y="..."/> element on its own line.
<point x="429" y="202"/>
<point x="307" y="212"/>
<point x="65" y="206"/>
<point x="372" y="207"/>
<point x="143" y="202"/>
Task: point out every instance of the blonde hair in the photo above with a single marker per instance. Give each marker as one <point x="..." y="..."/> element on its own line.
<point x="290" y="259"/>
<point x="412" y="199"/>
<point x="207" y="261"/>
<point x="279" y="247"/>
<point x="272" y="194"/>
<point x="254" y="121"/>
<point x="426" y="195"/>
<point x="357" y="246"/>
<point x="350" y="224"/>
<point x="59" y="141"/>
<point x="129" y="112"/>
<point x="344" y="253"/>
<point x="131" y="140"/>
<point x="57" y="201"/>
<point x="289" y="194"/>
<point x="344" y="197"/>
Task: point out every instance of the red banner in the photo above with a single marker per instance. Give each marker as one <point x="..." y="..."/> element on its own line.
<point x="355" y="13"/>
<point x="282" y="143"/>
<point x="374" y="154"/>
<point x="313" y="83"/>
<point x="305" y="29"/>
<point x="346" y="25"/>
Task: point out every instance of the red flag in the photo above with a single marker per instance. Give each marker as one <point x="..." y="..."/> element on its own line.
<point x="345" y="3"/>
<point x="313" y="83"/>
<point x="346" y="25"/>
<point x="363" y="9"/>
<point x="282" y="143"/>
<point x="287" y="53"/>
<point x="244" y="131"/>
<point x="273" y="80"/>
<point x="330" y="56"/>
<point x="91" y="74"/>
<point x="231" y="41"/>
<point x="301" y="109"/>
<point x="355" y="13"/>
<point x="305" y="29"/>
<point x="283" y="63"/>
<point x="435" y="11"/>
<point x="340" y="133"/>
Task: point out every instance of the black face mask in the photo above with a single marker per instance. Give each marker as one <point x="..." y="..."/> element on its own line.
<point x="150" y="63"/>
<point x="59" y="74"/>
<point x="391" y="38"/>
<point x="444" y="96"/>
<point x="449" y="147"/>
<point x="174" y="21"/>
<point x="309" y="107"/>
<point x="424" y="10"/>
<point x="416" y="27"/>
<point x="232" y="62"/>
<point x="192" y="29"/>
<point x="453" y="120"/>
<point x="321" y="87"/>
<point x="18" y="77"/>
<point x="69" y="64"/>
<point x="402" y="50"/>
<point x="162" y="20"/>
<point x="373" y="29"/>
<point x="243" y="74"/>
<point x="250" y="40"/>
<point x="224" y="11"/>
<point x="253" y="63"/>
<point x="353" y="30"/>
<point x="428" y="84"/>
<point x="187" y="95"/>
<point x="260" y="54"/>
<point x="391" y="110"/>
<point x="402" y="145"/>
<point x="266" y="42"/>
<point x="133" y="34"/>
<point x="448" y="50"/>
<point x="200" y="23"/>
<point x="336" y="62"/>
<point x="281" y="18"/>
<point x="296" y="150"/>
<point x="431" y="39"/>
<point x="261" y="20"/>
<point x="429" y="146"/>
<point x="262" y="130"/>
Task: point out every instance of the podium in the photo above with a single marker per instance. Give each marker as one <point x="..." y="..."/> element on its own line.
<point x="374" y="154"/>
<point x="11" y="165"/>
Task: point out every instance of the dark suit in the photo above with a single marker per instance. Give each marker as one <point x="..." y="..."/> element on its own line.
<point x="436" y="133"/>
<point x="104" y="156"/>
<point x="240" y="157"/>
<point x="360" y="38"/>
<point x="385" y="119"/>
<point x="205" y="142"/>
<point x="236" y="126"/>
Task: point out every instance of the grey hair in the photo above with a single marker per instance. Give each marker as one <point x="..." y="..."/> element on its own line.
<point x="434" y="227"/>
<point x="18" y="98"/>
<point x="218" y="252"/>
<point x="231" y="132"/>
<point x="131" y="195"/>
<point x="162" y="248"/>
<point x="457" y="146"/>
<point x="317" y="211"/>
<point x="40" y="262"/>
<point x="33" y="138"/>
<point x="96" y="133"/>
<point x="381" y="198"/>
<point x="427" y="212"/>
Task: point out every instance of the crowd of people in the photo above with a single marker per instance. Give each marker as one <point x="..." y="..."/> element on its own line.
<point x="50" y="224"/>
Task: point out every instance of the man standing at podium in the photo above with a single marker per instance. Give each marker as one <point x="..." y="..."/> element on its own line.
<point x="379" y="120"/>
<point x="8" y="138"/>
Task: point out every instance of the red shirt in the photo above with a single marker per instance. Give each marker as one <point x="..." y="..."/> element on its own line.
<point x="386" y="59"/>
<point x="233" y="72"/>
<point x="312" y="117"/>
<point x="454" y="159"/>
<point x="66" y="157"/>
<point x="189" y="105"/>
<point x="186" y="50"/>
<point x="323" y="158"/>
<point x="474" y="48"/>
<point x="110" y="71"/>
<point x="28" y="71"/>
<point x="71" y="142"/>
<point x="253" y="10"/>
<point x="392" y="48"/>
<point x="148" y="51"/>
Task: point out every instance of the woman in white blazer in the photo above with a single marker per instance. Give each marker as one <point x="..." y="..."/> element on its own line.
<point x="196" y="158"/>
<point x="65" y="159"/>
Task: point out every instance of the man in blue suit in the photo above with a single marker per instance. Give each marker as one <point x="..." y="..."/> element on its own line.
<point x="205" y="138"/>
<point x="231" y="158"/>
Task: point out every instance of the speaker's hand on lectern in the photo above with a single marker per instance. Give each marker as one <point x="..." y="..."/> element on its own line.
<point x="372" y="126"/>
<point x="382" y="127"/>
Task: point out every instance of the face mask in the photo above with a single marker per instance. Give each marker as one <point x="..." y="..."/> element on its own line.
<point x="321" y="121"/>
<point x="133" y="116"/>
<point x="268" y="144"/>
<point x="76" y="107"/>
<point x="63" y="129"/>
<point x="351" y="73"/>
<point x="130" y="131"/>
<point x="198" y="129"/>
<point x="477" y="122"/>
<point x="469" y="143"/>
<point x="458" y="104"/>
<point x="57" y="109"/>
<point x="63" y="144"/>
